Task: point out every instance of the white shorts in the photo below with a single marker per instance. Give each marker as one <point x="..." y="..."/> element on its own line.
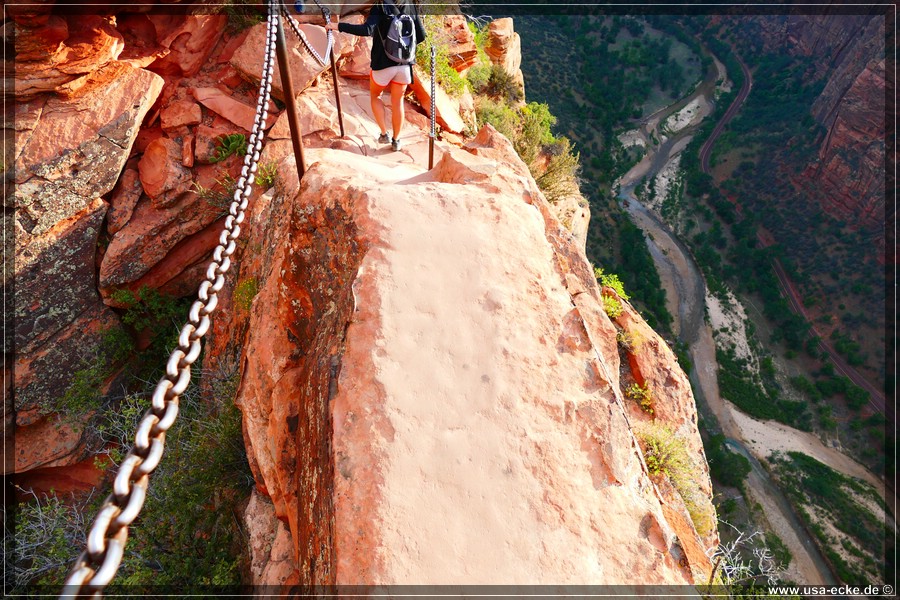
<point x="400" y="74"/>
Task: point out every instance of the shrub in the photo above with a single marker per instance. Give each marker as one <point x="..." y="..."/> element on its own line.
<point x="666" y="455"/>
<point x="445" y="76"/>
<point x="612" y="307"/>
<point x="643" y="395"/>
<point x="501" y="116"/>
<point x="221" y="195"/>
<point x="268" y="171"/>
<point x="611" y="280"/>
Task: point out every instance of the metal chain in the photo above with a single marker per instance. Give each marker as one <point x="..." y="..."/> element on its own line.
<point x="302" y="36"/>
<point x="106" y="540"/>
<point x="432" y="90"/>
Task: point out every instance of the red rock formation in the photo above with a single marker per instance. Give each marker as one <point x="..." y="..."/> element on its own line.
<point x="463" y="53"/>
<point x="433" y="404"/>
<point x="304" y="68"/>
<point x="446" y="108"/>
<point x="504" y="48"/>
<point x="848" y="179"/>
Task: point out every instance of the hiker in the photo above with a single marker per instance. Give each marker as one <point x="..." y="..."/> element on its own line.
<point x="391" y="62"/>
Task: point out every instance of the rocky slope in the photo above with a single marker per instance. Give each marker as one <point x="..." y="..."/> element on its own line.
<point x="847" y="178"/>
<point x="426" y="355"/>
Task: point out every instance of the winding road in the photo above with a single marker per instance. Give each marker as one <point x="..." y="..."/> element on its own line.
<point x="876" y="396"/>
<point x="686" y="296"/>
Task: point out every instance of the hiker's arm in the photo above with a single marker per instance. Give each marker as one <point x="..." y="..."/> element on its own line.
<point x="367" y="29"/>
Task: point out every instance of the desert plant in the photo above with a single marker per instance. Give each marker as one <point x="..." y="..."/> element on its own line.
<point x="221" y="195"/>
<point x="235" y="143"/>
<point x="268" y="171"/>
<point x="611" y="280"/>
<point x="666" y="455"/>
<point x="643" y="395"/>
<point x="612" y="307"/>
<point x="631" y="341"/>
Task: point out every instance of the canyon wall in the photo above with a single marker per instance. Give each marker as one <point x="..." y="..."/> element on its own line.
<point x="848" y="45"/>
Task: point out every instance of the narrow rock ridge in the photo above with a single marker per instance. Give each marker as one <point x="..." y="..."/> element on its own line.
<point x="441" y="337"/>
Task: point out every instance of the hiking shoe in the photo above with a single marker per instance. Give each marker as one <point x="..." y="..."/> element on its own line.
<point x="395" y="144"/>
<point x="383" y="138"/>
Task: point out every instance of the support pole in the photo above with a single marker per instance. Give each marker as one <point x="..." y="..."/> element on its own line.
<point x="287" y="87"/>
<point x="431" y="133"/>
<point x="337" y="93"/>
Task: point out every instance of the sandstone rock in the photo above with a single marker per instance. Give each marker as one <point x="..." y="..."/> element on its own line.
<point x="190" y="40"/>
<point x="141" y="47"/>
<point x="304" y="68"/>
<point x="180" y="113"/>
<point x="219" y="102"/>
<point x="463" y="53"/>
<point x="92" y="42"/>
<point x="504" y="46"/>
<point x="42" y="375"/>
<point x="59" y="322"/>
<point x="124" y="198"/>
<point x="446" y="108"/>
<point x="79" y="477"/>
<point x="271" y="550"/>
<point x="55" y="277"/>
<point x="76" y="150"/>
<point x="486" y="400"/>
<point x="45" y="443"/>
<point x="848" y="178"/>
<point x="163" y="176"/>
<point x="129" y="257"/>
<point x="313" y="116"/>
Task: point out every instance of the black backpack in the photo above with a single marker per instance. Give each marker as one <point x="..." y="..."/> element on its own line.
<point x="400" y="42"/>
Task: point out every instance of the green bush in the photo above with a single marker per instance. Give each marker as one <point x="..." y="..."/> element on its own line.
<point x="445" y="76"/>
<point x="612" y="307"/>
<point x="643" y="395"/>
<point x="235" y="143"/>
<point x="666" y="455"/>
<point x="726" y="467"/>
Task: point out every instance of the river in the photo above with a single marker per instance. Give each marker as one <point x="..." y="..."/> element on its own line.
<point x="685" y="288"/>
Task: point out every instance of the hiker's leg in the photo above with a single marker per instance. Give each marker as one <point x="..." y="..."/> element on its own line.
<point x="377" y="105"/>
<point x="398" y="90"/>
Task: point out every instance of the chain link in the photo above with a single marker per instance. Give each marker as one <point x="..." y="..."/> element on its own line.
<point x="108" y="535"/>
<point x="302" y="36"/>
<point x="432" y="90"/>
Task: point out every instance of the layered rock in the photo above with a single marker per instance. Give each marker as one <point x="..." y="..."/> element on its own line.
<point x="504" y="48"/>
<point x="445" y="360"/>
<point x="848" y="177"/>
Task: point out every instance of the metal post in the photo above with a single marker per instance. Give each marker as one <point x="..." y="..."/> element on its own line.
<point x="287" y="87"/>
<point x="337" y="93"/>
<point x="431" y="134"/>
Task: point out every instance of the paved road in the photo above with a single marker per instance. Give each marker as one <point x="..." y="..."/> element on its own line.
<point x="706" y="150"/>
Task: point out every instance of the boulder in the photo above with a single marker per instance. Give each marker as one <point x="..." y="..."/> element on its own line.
<point x="180" y="113"/>
<point x="462" y="51"/>
<point x="423" y="431"/>
<point x="446" y="108"/>
<point x="163" y="176"/>
<point x="224" y="105"/>
<point x="269" y="543"/>
<point x="50" y="62"/>
<point x="75" y="151"/>
<point x="124" y="198"/>
<point x="190" y="40"/>
<point x="304" y="68"/>
<point x="129" y="255"/>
